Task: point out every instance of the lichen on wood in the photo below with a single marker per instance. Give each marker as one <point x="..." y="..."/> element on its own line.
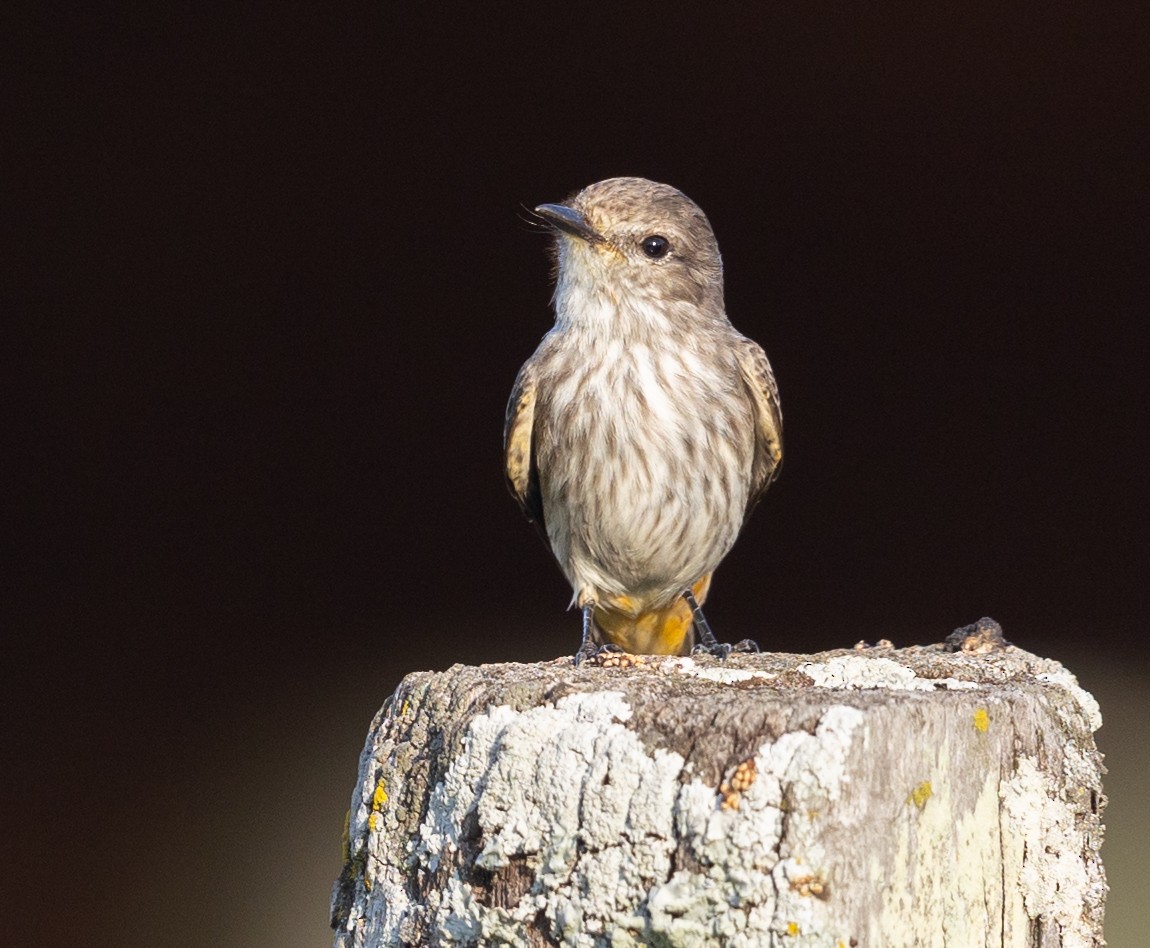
<point x="875" y="797"/>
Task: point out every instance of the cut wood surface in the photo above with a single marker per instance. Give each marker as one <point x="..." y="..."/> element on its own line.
<point x="875" y="797"/>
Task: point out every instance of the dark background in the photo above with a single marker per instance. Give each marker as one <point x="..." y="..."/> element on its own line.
<point x="271" y="286"/>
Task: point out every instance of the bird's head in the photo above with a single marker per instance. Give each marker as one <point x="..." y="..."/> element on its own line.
<point x="629" y="244"/>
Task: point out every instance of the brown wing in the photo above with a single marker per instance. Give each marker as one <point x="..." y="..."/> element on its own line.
<point x="760" y="382"/>
<point x="519" y="458"/>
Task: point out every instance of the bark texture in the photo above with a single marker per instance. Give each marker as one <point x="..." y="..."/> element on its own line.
<point x="878" y="798"/>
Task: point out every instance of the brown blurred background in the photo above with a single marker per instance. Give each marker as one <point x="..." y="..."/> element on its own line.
<point x="270" y="288"/>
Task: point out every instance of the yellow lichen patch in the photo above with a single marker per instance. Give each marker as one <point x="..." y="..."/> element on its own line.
<point x="920" y="794"/>
<point x="793" y="928"/>
<point x="740" y="780"/>
<point x="731" y="799"/>
<point x="811" y="885"/>
<point x="404" y="708"/>
<point x="981" y="720"/>
<point x="616" y="660"/>
<point x="744" y="775"/>
<point x="378" y="799"/>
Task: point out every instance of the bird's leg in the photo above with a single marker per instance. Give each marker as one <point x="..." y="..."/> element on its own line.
<point x="708" y="644"/>
<point x="587" y="648"/>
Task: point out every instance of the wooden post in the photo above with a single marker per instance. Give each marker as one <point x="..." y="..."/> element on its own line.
<point x="871" y="797"/>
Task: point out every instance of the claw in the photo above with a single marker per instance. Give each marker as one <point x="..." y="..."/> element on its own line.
<point x="586" y="653"/>
<point x="708" y="644"/>
<point x="720" y="650"/>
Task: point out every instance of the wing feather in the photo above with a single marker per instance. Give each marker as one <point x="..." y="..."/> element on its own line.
<point x="519" y="456"/>
<point x="759" y="379"/>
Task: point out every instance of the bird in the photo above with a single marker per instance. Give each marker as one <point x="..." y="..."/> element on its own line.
<point x="645" y="428"/>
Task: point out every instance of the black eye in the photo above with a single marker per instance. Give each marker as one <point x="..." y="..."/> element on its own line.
<point x="656" y="246"/>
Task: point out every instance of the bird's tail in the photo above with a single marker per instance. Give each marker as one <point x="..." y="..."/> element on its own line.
<point x="666" y="631"/>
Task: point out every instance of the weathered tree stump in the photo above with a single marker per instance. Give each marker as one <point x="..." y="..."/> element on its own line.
<point x="875" y="797"/>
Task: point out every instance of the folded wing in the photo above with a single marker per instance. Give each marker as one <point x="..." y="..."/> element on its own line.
<point x="760" y="382"/>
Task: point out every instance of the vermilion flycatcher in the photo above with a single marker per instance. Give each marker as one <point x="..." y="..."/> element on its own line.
<point x="645" y="427"/>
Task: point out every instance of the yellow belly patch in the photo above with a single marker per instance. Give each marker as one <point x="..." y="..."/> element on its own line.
<point x="664" y="631"/>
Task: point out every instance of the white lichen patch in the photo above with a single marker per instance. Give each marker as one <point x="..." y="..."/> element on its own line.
<point x="799" y="778"/>
<point x="1043" y="845"/>
<point x="723" y="675"/>
<point x="855" y="672"/>
<point x="1086" y="702"/>
<point x="596" y="815"/>
<point x="574" y="792"/>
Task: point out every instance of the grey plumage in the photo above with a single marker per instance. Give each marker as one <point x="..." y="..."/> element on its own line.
<point x="645" y="427"/>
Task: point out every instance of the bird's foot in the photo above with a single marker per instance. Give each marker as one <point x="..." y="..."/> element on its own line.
<point x="587" y="652"/>
<point x="722" y="650"/>
<point x="708" y="644"/>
